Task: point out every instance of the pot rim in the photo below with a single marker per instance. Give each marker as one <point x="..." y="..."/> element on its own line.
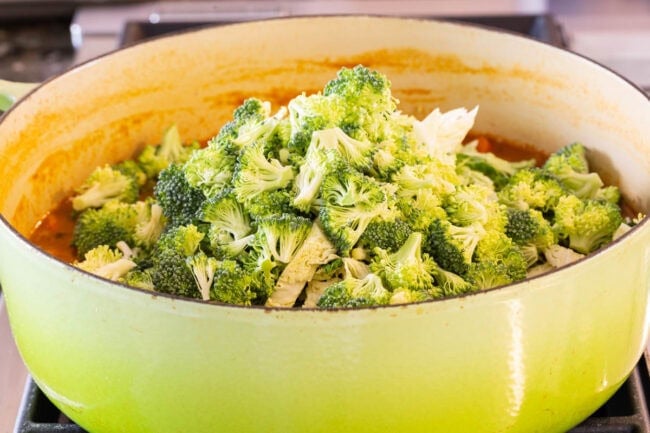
<point x="4" y="224"/>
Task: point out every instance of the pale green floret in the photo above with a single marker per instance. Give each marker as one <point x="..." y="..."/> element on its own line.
<point x="356" y="153"/>
<point x="232" y="284"/>
<point x="308" y="181"/>
<point x="431" y="175"/>
<point x="422" y="209"/>
<point x="570" y="166"/>
<point x="350" y="201"/>
<point x="406" y="268"/>
<point x="451" y="246"/>
<point x="586" y="224"/>
<point x="283" y="235"/>
<point x="106" y="262"/>
<point x="450" y="284"/>
<point x="140" y="279"/>
<point x="150" y="223"/>
<point x="171" y="150"/>
<point x="210" y="170"/>
<point x="103" y="185"/>
<point x="230" y="229"/>
<point x="352" y="292"/>
<point x="256" y="174"/>
<point x="498" y="250"/>
<point x="203" y="269"/>
<point x="531" y="188"/>
<point x="531" y="231"/>
<point x="471" y="204"/>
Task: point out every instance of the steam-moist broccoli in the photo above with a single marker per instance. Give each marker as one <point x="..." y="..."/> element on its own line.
<point x="338" y="200"/>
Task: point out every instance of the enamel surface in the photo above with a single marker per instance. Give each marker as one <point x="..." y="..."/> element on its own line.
<point x="534" y="357"/>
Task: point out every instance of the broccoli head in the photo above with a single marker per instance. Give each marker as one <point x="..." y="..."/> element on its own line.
<point x="255" y="174"/>
<point x="452" y="247"/>
<point x="107" y="262"/>
<point x="283" y="235"/>
<point x="113" y="222"/>
<point x="232" y="284"/>
<point x="171" y="150"/>
<point x="387" y="235"/>
<point x="170" y="272"/>
<point x="180" y="201"/>
<point x="105" y="184"/>
<point x="352" y="292"/>
<point x="531" y="188"/>
<point x="406" y="268"/>
<point x="499" y="251"/>
<point x="587" y="224"/>
<point x="530" y="228"/>
<point x="350" y="200"/>
<point x="230" y="229"/>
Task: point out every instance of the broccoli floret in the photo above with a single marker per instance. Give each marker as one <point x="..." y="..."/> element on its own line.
<point x="422" y="209"/>
<point x="570" y="166"/>
<point x="107" y="262"/>
<point x="406" y="268"/>
<point x="180" y="201"/>
<point x="431" y="175"/>
<point x="283" y="235"/>
<point x="352" y="292"/>
<point x="270" y="203"/>
<point x="587" y="224"/>
<point x="255" y="174"/>
<point x="398" y="149"/>
<point x="150" y="223"/>
<point x="232" y="284"/>
<point x="171" y="150"/>
<point x="497" y="169"/>
<point x="387" y="235"/>
<point x="263" y="270"/>
<point x="450" y="284"/>
<point x="132" y="169"/>
<point x="452" y="247"/>
<point x="499" y="251"/>
<point x="406" y="296"/>
<point x="531" y="188"/>
<point x="530" y="228"/>
<point x="475" y="204"/>
<point x="139" y="278"/>
<point x="230" y="229"/>
<point x="103" y="185"/>
<point x="350" y="201"/>
<point x="114" y="222"/>
<point x="210" y="170"/>
<point x="367" y="99"/>
<point x="356" y="153"/>
<point x="308" y="181"/>
<point x="308" y="114"/>
<point x="608" y="193"/>
<point x="170" y="272"/>
<point x="203" y="268"/>
<point x="487" y="275"/>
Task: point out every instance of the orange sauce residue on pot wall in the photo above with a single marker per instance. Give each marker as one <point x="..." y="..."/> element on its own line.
<point x="54" y="232"/>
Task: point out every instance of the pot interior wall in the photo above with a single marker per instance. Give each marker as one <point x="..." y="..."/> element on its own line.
<point x="108" y="109"/>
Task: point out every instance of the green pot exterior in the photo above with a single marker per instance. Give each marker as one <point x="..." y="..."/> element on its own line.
<point x="538" y="356"/>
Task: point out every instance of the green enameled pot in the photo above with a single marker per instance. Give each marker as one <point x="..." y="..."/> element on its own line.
<point x="537" y="356"/>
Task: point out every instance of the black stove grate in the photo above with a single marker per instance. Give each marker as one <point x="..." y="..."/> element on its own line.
<point x="625" y="412"/>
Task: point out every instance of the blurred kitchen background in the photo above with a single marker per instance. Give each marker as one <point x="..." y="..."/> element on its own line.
<point x="40" y="38"/>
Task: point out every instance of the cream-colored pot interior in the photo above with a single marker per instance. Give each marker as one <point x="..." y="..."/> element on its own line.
<point x="538" y="356"/>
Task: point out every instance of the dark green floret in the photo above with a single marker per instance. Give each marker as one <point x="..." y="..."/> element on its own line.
<point x="180" y="201"/>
